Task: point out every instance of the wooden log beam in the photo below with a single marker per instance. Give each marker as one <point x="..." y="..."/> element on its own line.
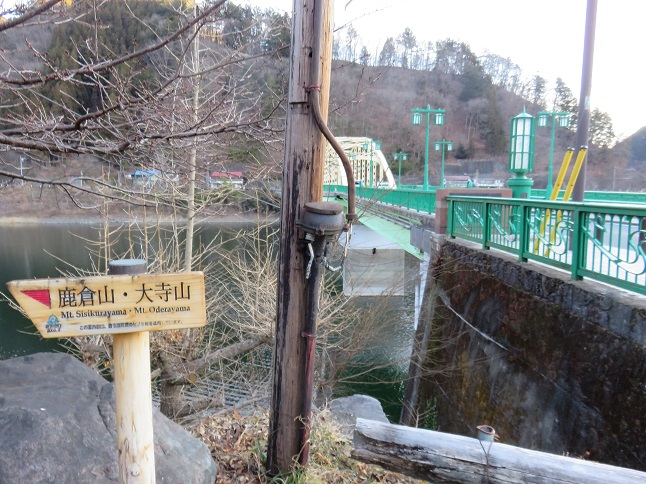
<point x="441" y="457"/>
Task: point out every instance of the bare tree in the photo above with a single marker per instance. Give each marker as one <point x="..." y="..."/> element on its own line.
<point x="146" y="85"/>
<point x="123" y="98"/>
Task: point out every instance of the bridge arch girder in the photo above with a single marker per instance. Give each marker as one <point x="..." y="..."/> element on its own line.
<point x="365" y="160"/>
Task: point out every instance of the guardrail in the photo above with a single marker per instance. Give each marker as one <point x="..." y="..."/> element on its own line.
<point x="420" y="201"/>
<point x="590" y="196"/>
<point x="605" y="242"/>
<point x="415" y="198"/>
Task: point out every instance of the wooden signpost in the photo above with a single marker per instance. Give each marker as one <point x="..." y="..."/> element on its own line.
<point x="112" y="304"/>
<point x="127" y="304"/>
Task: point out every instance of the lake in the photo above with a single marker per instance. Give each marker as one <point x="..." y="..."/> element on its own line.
<point x="56" y="250"/>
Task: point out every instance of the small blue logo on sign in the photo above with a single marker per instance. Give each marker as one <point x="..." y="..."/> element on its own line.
<point x="53" y="326"/>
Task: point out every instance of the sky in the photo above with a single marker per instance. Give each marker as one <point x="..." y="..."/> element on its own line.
<point x="543" y="37"/>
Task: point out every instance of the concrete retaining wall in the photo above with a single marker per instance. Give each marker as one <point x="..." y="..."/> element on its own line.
<point x="552" y="364"/>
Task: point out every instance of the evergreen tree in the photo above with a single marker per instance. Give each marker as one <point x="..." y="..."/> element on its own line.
<point x="276" y="33"/>
<point x="601" y="131"/>
<point x="461" y="152"/>
<point x="565" y="101"/>
<point x="491" y="126"/>
<point x="453" y="57"/>
<point x="408" y="42"/>
<point x="115" y="32"/>
<point x="388" y="55"/>
<point x="475" y="83"/>
<point x="351" y="40"/>
<point x="537" y="93"/>
<point x="638" y="146"/>
<point x="364" y="58"/>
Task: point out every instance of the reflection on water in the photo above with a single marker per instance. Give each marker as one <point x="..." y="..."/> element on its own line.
<point x="55" y="250"/>
<point x="34" y="251"/>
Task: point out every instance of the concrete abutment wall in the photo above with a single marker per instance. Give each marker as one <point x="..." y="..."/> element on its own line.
<point x="552" y="364"/>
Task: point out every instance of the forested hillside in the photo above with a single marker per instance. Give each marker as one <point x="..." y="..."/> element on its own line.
<point x="375" y="94"/>
<point x="127" y="86"/>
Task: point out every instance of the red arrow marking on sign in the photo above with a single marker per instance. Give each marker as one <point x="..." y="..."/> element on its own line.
<point x="40" y="295"/>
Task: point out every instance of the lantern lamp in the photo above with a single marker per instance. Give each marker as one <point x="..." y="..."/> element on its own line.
<point x="521" y="154"/>
<point x="521" y="146"/>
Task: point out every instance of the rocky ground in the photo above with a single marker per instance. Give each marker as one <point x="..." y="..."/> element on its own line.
<point x="238" y="442"/>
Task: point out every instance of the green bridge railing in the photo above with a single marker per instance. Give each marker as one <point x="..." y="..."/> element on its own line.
<point x="414" y="198"/>
<point x="606" y="197"/>
<point x="605" y="242"/>
<point x="418" y="200"/>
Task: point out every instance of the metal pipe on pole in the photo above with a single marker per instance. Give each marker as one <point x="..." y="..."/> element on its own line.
<point x="583" y="119"/>
<point x="302" y="182"/>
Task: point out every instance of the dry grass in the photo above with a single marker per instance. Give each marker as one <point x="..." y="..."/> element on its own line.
<point x="238" y="444"/>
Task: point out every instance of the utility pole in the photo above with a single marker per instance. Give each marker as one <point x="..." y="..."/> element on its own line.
<point x="583" y="118"/>
<point x="302" y="182"/>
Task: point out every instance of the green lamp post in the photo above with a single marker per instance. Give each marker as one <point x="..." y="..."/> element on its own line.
<point x="438" y="120"/>
<point x="521" y="154"/>
<point x="443" y="146"/>
<point x="400" y="156"/>
<point x="545" y="119"/>
<point x="371" y="145"/>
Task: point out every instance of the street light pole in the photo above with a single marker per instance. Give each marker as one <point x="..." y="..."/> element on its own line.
<point x="438" y="118"/>
<point x="399" y="156"/>
<point x="428" y="126"/>
<point x="443" y="146"/>
<point x="544" y="119"/>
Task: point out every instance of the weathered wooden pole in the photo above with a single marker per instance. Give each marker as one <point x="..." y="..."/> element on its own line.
<point x="302" y="182"/>
<point x="133" y="394"/>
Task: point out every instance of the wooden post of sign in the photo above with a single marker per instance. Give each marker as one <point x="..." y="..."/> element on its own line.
<point x="133" y="394"/>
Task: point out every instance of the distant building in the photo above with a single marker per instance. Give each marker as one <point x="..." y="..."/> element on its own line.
<point x="233" y="178"/>
<point x="150" y="178"/>
<point x="456" y="181"/>
<point x="144" y="177"/>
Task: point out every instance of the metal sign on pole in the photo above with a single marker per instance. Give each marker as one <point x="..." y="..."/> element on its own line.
<point x="127" y="304"/>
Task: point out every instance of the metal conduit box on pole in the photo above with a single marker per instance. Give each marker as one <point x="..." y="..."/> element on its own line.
<point x="323" y="219"/>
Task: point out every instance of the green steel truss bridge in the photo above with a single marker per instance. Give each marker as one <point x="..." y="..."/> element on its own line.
<point x="369" y="164"/>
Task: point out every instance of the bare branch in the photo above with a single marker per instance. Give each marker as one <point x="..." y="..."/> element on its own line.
<point x="29" y="14"/>
<point x="111" y="63"/>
